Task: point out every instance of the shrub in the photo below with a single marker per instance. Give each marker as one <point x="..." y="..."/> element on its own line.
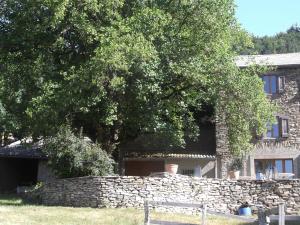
<point x="236" y="164"/>
<point x="73" y="155"/>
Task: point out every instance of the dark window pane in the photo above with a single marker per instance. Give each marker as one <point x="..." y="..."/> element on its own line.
<point x="273" y="84"/>
<point x="289" y="166"/>
<point x="269" y="131"/>
<point x="259" y="168"/>
<point x="279" y="167"/>
<point x="275" y="130"/>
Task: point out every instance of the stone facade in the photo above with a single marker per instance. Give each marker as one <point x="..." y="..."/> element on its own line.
<point x="222" y="147"/>
<point x="288" y="103"/>
<point x="219" y="195"/>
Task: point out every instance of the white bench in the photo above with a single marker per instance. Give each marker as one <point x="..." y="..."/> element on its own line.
<point x="148" y="221"/>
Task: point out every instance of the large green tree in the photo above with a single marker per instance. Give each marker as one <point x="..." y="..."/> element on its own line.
<point x="118" y="68"/>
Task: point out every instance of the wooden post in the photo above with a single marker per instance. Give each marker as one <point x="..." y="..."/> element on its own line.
<point x="147" y="214"/>
<point x="262" y="217"/>
<point x="281" y="214"/>
<point x="203" y="214"/>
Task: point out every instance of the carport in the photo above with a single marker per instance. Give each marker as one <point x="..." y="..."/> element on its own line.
<point x="18" y="167"/>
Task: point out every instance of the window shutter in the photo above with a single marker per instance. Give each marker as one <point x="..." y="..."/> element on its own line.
<point x="283" y="126"/>
<point x="280" y="84"/>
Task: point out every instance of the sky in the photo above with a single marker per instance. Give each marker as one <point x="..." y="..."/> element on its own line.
<point x="267" y="17"/>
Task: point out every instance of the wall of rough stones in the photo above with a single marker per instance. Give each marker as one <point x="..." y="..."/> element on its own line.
<point x="220" y="195"/>
<point x="224" y="157"/>
<point x="289" y="103"/>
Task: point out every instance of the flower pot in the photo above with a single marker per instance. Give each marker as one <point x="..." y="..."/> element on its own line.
<point x="246" y="211"/>
<point x="234" y="174"/>
<point x="237" y="174"/>
<point x="171" y="168"/>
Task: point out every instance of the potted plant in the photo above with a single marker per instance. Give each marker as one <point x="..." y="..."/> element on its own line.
<point x="245" y="210"/>
<point x="171" y="168"/>
<point x="235" y="167"/>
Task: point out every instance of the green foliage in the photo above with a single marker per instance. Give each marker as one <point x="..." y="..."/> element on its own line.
<point x="236" y="164"/>
<point x="245" y="107"/>
<point x="120" y="68"/>
<point x="283" y="42"/>
<point x="74" y="156"/>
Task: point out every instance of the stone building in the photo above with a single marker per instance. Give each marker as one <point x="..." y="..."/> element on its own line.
<point x="277" y="152"/>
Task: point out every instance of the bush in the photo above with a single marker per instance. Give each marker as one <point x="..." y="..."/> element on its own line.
<point x="236" y="164"/>
<point x="73" y="155"/>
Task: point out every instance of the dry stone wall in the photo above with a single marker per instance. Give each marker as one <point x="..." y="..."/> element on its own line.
<point x="220" y="195"/>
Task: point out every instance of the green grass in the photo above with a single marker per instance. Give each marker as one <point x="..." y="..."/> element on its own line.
<point x="13" y="211"/>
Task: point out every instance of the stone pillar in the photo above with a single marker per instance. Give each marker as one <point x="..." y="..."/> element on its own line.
<point x="222" y="146"/>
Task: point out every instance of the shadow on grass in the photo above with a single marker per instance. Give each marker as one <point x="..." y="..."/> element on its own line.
<point x="243" y="223"/>
<point x="273" y="223"/>
<point x="12" y="200"/>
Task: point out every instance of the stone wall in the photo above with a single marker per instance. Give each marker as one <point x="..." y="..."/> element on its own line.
<point x="45" y="173"/>
<point x="223" y="154"/>
<point x="221" y="195"/>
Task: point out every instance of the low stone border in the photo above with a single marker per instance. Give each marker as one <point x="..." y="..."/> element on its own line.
<point x="219" y="195"/>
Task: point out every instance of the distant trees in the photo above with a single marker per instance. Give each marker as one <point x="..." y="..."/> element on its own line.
<point x="284" y="42"/>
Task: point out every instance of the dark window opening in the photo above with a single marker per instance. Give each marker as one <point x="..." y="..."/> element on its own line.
<point x="273" y="166"/>
<point x="278" y="129"/>
<point x="273" y="84"/>
<point x="187" y="172"/>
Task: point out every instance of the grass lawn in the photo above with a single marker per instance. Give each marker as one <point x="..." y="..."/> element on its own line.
<point x="14" y="212"/>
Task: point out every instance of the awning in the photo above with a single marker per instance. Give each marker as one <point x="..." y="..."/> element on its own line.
<point x="22" y="152"/>
<point x="169" y="156"/>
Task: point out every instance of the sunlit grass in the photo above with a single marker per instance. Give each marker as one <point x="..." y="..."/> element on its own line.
<point x="13" y="211"/>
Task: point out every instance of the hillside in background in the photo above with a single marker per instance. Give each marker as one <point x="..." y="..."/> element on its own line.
<point x="284" y="42"/>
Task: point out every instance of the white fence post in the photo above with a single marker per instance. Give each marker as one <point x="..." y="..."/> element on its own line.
<point x="281" y="214"/>
<point x="203" y="214"/>
<point x="147" y="213"/>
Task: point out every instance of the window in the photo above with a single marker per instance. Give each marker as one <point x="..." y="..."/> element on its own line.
<point x="279" y="129"/>
<point x="272" y="131"/>
<point x="187" y="172"/>
<point x="273" y="84"/>
<point x="266" y="166"/>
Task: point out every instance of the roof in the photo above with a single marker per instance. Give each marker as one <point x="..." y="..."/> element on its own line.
<point x="19" y="149"/>
<point x="22" y="152"/>
<point x="169" y="156"/>
<point x="279" y="60"/>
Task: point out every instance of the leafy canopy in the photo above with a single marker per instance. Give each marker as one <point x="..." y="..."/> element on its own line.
<point x="119" y="68"/>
